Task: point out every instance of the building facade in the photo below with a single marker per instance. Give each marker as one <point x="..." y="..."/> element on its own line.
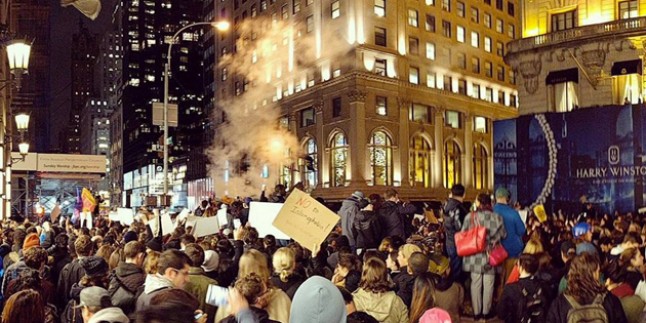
<point x="409" y="105"/>
<point x="577" y="54"/>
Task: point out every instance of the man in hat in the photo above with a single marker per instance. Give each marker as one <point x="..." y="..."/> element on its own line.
<point x="95" y="306"/>
<point x="515" y="228"/>
<point x="349" y="210"/>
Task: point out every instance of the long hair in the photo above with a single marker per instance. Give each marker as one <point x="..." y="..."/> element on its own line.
<point x="422" y="296"/>
<point x="485" y="202"/>
<point x="284" y="263"/>
<point x="254" y="261"/>
<point x="25" y="307"/>
<point x="626" y="257"/>
<point x="374" y="277"/>
<point x="582" y="284"/>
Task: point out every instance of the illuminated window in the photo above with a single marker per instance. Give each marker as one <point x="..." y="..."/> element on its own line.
<point x="381" y="66"/>
<point x="284" y="12"/>
<point x="338" y="160"/>
<point x="381" y="104"/>
<point x="412" y="18"/>
<point x="254" y="10"/>
<point x="446" y="28"/>
<point x="475" y="15"/>
<point x="413" y="75"/>
<point x="446" y="5"/>
<point x="430" y="51"/>
<point x="459" y="33"/>
<point x="480" y="124"/>
<point x="380" y="148"/>
<point x="461" y="9"/>
<point x="487" y="20"/>
<point x="628" y="9"/>
<point x="475" y="39"/>
<point x="487" y="44"/>
<point x="380" y="8"/>
<point x="336" y="9"/>
<point x="296" y="6"/>
<point x="452" y="164"/>
<point x="308" y="117"/>
<point x="480" y="167"/>
<point x="311" y="163"/>
<point x="420" y="113"/>
<point x="429" y="25"/>
<point x="564" y="21"/>
<point x="420" y="161"/>
<point x="511" y="31"/>
<point x="499" y="26"/>
<point x="500" y="49"/>
<point x="380" y="36"/>
<point x="452" y="119"/>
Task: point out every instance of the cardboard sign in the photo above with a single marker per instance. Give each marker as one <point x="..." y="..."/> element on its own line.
<point x="206" y="226"/>
<point x="125" y="216"/>
<point x="221" y="215"/>
<point x="430" y="216"/>
<point x="167" y="223"/>
<point x="55" y="213"/>
<point x="262" y="216"/>
<point x="305" y="220"/>
<point x="191" y="221"/>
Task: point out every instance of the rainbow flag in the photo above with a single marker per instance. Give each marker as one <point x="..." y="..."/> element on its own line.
<point x="89" y="203"/>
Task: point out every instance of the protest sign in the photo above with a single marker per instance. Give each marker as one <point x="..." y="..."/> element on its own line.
<point x="305" y="220"/>
<point x="261" y="217"/>
<point x="125" y="216"/>
<point x="167" y="223"/>
<point x="221" y="215"/>
<point x="206" y="226"/>
<point x="55" y="213"/>
<point x="191" y="222"/>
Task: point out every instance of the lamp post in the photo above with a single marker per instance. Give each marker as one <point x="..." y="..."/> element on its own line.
<point x="219" y="25"/>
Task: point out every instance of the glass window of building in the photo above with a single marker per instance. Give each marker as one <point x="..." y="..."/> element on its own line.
<point x="447" y="83"/>
<point x="446" y="5"/>
<point x="254" y="10"/>
<point x="499" y="4"/>
<point x="459" y="33"/>
<point x="413" y="46"/>
<point x="296" y="6"/>
<point x="420" y="161"/>
<point x="628" y="9"/>
<point x="381" y="104"/>
<point x="380" y="148"/>
<point x="500" y="49"/>
<point x="307" y="117"/>
<point x="380" y="8"/>
<point x="338" y="160"/>
<point x="511" y="31"/>
<point x="431" y="78"/>
<point x="475" y="91"/>
<point x="336" y="9"/>
<point x="499" y="26"/>
<point x="475" y="15"/>
<point x="487" y="20"/>
<point x="480" y="124"/>
<point x="413" y="18"/>
<point x="511" y="10"/>
<point x="460" y="9"/>
<point x="336" y="107"/>
<point x="462" y="60"/>
<point x="488" y="69"/>
<point x="429" y="25"/>
<point x="487" y="44"/>
<point x="263" y="5"/>
<point x="480" y="167"/>
<point x="512" y="76"/>
<point x="462" y="86"/>
<point x="452" y="164"/>
<point x="500" y="71"/>
<point x="430" y="50"/>
<point x="284" y="12"/>
<point x="488" y="94"/>
<point x="475" y="39"/>
<point x="381" y="66"/>
<point x="420" y="113"/>
<point x="413" y="75"/>
<point x="309" y="21"/>
<point x="310" y="168"/>
<point x="501" y="97"/>
<point x="446" y="29"/>
<point x="475" y="65"/>
<point x="565" y="20"/>
<point x="380" y="36"/>
<point x="452" y="119"/>
<point x="562" y="90"/>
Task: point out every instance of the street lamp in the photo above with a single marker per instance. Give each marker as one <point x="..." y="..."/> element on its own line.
<point x="18" y="52"/>
<point x="220" y="26"/>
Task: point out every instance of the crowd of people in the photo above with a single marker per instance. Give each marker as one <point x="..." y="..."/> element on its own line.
<point x="383" y="263"/>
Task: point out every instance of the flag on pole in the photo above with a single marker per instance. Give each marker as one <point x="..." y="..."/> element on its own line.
<point x="89" y="8"/>
<point x="89" y="203"/>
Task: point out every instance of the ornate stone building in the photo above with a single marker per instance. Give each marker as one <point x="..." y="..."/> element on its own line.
<point x="577" y="54"/>
<point x="410" y="105"/>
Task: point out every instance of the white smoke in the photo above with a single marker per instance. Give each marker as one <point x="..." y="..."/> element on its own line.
<point x="270" y="55"/>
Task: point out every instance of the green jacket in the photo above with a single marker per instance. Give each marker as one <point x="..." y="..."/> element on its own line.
<point x="198" y="285"/>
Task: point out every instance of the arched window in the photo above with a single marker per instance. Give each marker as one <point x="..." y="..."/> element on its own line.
<point x="285" y="171"/>
<point x="310" y="169"/>
<point x="480" y="169"/>
<point x="419" y="162"/>
<point x="381" y="158"/>
<point x="452" y="164"/>
<point x="339" y="160"/>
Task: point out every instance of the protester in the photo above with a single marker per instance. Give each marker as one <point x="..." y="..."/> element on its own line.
<point x="350" y="209"/>
<point x="454" y="214"/>
<point x="317" y="300"/>
<point x="394" y="215"/>
<point x="198" y="283"/>
<point x="515" y="228"/>
<point x="172" y="272"/>
<point x="285" y="275"/>
<point x="375" y="295"/>
<point x="96" y="307"/>
<point x="128" y="278"/>
<point x="25" y="307"/>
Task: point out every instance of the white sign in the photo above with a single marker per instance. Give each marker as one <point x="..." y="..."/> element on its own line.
<point x="124" y="215"/>
<point x="222" y="216"/>
<point x="59" y="163"/>
<point x="261" y="217"/>
<point x="167" y="223"/>
<point x="206" y="226"/>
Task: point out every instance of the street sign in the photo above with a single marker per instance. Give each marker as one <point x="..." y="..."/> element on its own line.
<point x="158" y="114"/>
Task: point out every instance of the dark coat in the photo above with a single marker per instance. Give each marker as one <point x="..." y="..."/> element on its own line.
<point x="293" y="282"/>
<point x="404" y="284"/>
<point x="126" y="283"/>
<point x="393" y="218"/>
<point x="367" y="230"/>
<point x="560" y="307"/>
<point x="260" y="315"/>
<point x="454" y="214"/>
<point x="71" y="314"/>
<point x="511" y="307"/>
<point x="70" y="275"/>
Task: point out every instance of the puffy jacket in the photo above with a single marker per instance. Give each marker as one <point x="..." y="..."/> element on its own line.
<point x="454" y="214"/>
<point x="393" y="218"/>
<point x="367" y="230"/>
<point x="125" y="286"/>
<point x="277" y="308"/>
<point x="385" y="307"/>
<point x="348" y="212"/>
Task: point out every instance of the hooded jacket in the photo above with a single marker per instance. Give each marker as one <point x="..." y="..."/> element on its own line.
<point x="348" y="212"/>
<point x="153" y="285"/>
<point x="318" y="301"/>
<point x="125" y="286"/>
<point x="448" y="296"/>
<point x="110" y="315"/>
<point x="385" y="307"/>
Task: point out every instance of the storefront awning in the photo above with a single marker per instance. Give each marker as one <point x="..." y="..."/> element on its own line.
<point x="627" y="67"/>
<point x="563" y="76"/>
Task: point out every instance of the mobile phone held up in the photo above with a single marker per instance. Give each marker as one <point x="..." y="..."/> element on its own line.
<point x="217" y="295"/>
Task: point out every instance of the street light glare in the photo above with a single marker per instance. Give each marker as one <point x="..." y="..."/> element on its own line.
<point x="18" y="55"/>
<point x="222" y="25"/>
<point x="22" y="121"/>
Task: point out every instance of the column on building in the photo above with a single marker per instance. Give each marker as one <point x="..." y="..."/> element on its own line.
<point x="438" y="152"/>
<point x="467" y="155"/>
<point x="400" y="160"/>
<point x="296" y="172"/>
<point x="323" y="147"/>
<point x="358" y="138"/>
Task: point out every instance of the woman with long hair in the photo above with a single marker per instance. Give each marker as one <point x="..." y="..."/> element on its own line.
<point x="285" y="275"/>
<point x="585" y="288"/>
<point x="375" y="295"/>
<point x="632" y="262"/>
<point x="25" y="307"/>
<point x="483" y="275"/>
<point x="422" y="296"/>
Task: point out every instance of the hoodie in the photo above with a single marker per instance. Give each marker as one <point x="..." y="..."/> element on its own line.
<point x="109" y="315"/>
<point x="385" y="307"/>
<point x="153" y="285"/>
<point x="318" y="301"/>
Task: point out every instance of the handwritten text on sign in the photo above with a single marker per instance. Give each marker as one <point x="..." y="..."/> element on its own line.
<point x="305" y="220"/>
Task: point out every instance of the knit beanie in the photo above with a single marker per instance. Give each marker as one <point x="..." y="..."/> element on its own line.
<point x="32" y="240"/>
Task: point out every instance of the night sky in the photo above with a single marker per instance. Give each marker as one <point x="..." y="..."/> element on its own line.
<point x="64" y="23"/>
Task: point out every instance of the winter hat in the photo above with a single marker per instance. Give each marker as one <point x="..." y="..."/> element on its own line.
<point x="317" y="300"/>
<point x="129" y="236"/>
<point x="110" y="314"/>
<point x="580" y="229"/>
<point x="94" y="266"/>
<point x="408" y="249"/>
<point x="154" y="245"/>
<point x="211" y="261"/>
<point x="435" y="315"/>
<point x="95" y="296"/>
<point x="438" y="264"/>
<point x="359" y="195"/>
<point x="32" y="240"/>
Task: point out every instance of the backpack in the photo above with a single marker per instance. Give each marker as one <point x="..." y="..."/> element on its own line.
<point x="533" y="307"/>
<point x="592" y="313"/>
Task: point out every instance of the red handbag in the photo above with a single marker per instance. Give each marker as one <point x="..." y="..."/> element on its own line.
<point x="497" y="255"/>
<point x="472" y="241"/>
